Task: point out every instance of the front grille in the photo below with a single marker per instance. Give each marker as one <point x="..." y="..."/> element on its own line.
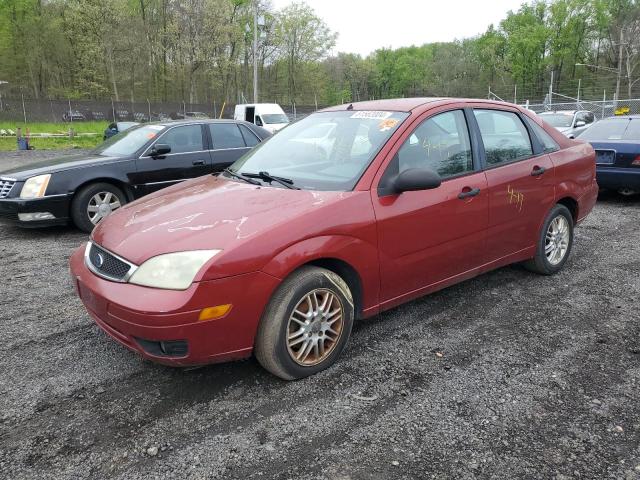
<point x="5" y="187"/>
<point x="107" y="264"/>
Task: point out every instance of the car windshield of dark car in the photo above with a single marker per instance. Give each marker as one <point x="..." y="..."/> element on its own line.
<point x="558" y="120"/>
<point x="324" y="151"/>
<point x="275" y="118"/>
<point x="609" y="129"/>
<point x="129" y="141"/>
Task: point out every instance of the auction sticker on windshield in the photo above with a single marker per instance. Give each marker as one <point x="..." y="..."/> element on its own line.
<point x="375" y="115"/>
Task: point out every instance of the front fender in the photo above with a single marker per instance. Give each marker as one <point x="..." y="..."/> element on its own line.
<point x="360" y="255"/>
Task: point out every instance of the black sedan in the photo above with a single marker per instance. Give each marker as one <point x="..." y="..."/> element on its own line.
<point x="84" y="189"/>
<point x="616" y="141"/>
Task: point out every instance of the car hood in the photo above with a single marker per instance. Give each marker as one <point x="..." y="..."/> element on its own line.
<point x="207" y="213"/>
<point x="57" y="165"/>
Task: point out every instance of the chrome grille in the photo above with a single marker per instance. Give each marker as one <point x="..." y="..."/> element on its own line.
<point x="5" y="187"/>
<point x="107" y="265"/>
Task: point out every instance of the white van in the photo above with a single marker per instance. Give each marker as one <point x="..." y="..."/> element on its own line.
<point x="266" y="115"/>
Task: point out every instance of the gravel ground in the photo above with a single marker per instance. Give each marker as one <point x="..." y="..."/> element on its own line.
<point x="509" y="375"/>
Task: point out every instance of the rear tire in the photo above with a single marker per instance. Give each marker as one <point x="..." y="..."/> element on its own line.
<point x="306" y="325"/>
<point x="554" y="242"/>
<point x="87" y="208"/>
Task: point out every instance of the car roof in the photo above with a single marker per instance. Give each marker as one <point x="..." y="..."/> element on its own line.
<point x="188" y="121"/>
<point x="411" y="104"/>
<point x="564" y="112"/>
<point x="630" y="117"/>
<point x="393" y="104"/>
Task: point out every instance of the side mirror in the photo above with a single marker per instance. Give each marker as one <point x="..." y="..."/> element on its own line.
<point x="414" y="179"/>
<point x="580" y="123"/>
<point x="159" y="149"/>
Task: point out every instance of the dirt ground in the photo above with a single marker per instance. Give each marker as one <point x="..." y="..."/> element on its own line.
<point x="509" y="375"/>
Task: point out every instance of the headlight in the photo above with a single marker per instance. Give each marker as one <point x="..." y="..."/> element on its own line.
<point x="35" y="186"/>
<point x="173" y="271"/>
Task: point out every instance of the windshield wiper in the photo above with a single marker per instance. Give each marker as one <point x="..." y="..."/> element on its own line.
<point x="240" y="176"/>
<point x="285" y="182"/>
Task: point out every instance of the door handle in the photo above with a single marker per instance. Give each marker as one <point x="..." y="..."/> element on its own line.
<point x="198" y="162"/>
<point x="468" y="193"/>
<point x="537" y="171"/>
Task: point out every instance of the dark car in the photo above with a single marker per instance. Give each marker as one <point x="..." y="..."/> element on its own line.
<point x="616" y="141"/>
<point x="85" y="188"/>
<point x="117" y="127"/>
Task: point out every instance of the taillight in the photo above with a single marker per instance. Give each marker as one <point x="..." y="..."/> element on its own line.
<point x="636" y="162"/>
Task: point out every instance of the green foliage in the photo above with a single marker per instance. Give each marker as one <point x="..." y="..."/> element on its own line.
<point x="201" y="51"/>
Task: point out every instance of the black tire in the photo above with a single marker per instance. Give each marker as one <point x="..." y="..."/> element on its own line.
<point x="81" y="199"/>
<point x="540" y="263"/>
<point x="271" y="348"/>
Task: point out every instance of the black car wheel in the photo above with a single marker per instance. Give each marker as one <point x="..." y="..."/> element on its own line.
<point x="306" y="325"/>
<point x="554" y="243"/>
<point x="94" y="202"/>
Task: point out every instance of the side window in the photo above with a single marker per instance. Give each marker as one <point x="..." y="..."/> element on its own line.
<point x="440" y="143"/>
<point x="504" y="136"/>
<point x="183" y="139"/>
<point x="249" y="138"/>
<point x="548" y="143"/>
<point x="226" y="135"/>
<point x="589" y="117"/>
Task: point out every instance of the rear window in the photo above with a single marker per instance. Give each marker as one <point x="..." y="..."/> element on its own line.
<point x="613" y="129"/>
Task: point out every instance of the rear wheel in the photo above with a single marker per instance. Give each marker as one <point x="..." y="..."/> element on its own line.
<point x="554" y="243"/>
<point x="94" y="202"/>
<point x="306" y="324"/>
<point x="627" y="192"/>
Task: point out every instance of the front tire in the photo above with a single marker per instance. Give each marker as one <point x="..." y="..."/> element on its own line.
<point x="94" y="202"/>
<point x="554" y="243"/>
<point x="306" y="325"/>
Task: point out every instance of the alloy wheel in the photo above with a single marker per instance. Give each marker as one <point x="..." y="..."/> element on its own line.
<point x="101" y="205"/>
<point x="557" y="240"/>
<point x="315" y="327"/>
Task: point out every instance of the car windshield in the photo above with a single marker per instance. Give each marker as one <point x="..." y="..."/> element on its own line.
<point x="324" y="151"/>
<point x="129" y="141"/>
<point x="612" y="129"/>
<point x="558" y="120"/>
<point x="275" y="118"/>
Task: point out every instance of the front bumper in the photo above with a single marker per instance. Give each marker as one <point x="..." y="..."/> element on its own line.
<point x="57" y="205"/>
<point x="615" y="178"/>
<point x="138" y="317"/>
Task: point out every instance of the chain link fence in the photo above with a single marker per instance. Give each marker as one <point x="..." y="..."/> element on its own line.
<point x="22" y="110"/>
<point x="600" y="108"/>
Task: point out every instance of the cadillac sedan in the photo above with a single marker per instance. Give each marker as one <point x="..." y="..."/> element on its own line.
<point x="86" y="188"/>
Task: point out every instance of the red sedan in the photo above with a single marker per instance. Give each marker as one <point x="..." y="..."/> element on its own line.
<point x="346" y="213"/>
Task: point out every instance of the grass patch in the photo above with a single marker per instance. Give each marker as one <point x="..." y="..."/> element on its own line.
<point x="9" y="143"/>
<point x="60" y="127"/>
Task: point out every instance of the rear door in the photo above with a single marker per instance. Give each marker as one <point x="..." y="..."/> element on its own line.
<point x="520" y="180"/>
<point x="229" y="143"/>
<point x="188" y="159"/>
<point x="426" y="237"/>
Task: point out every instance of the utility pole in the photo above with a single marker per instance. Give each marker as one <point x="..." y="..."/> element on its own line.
<point x="619" y="65"/>
<point x="551" y="89"/>
<point x="255" y="51"/>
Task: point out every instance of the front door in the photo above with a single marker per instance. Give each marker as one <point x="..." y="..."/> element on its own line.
<point x="188" y="159"/>
<point x="520" y="181"/>
<point x="426" y="237"/>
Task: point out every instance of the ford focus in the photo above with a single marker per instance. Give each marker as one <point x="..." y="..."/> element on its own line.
<point x="349" y="212"/>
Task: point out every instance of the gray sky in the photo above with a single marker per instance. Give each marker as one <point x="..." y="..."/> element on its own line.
<point x="365" y="25"/>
